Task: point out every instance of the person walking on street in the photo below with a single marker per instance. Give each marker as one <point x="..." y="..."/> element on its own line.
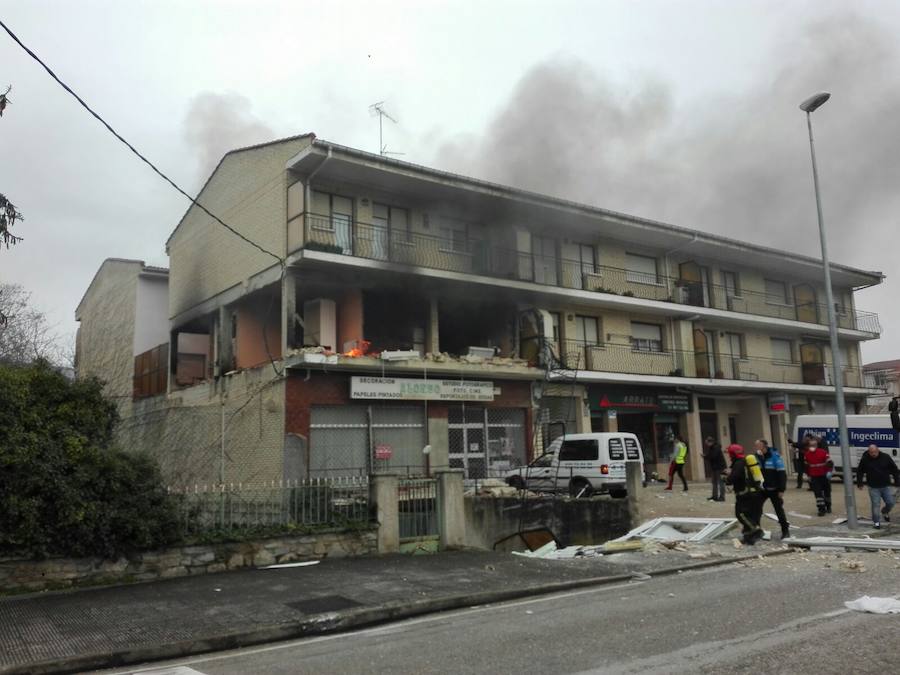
<point x="715" y="460"/>
<point x="878" y="468"/>
<point x="774" y="482"/>
<point x="799" y="463"/>
<point x="818" y="468"/>
<point x="678" y="462"/>
<point x="747" y="479"/>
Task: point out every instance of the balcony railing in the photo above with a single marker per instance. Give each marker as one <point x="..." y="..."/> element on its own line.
<point x="626" y="359"/>
<point x="339" y="234"/>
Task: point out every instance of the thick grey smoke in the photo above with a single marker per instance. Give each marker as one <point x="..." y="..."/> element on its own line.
<point x="737" y="166"/>
<point x="217" y="123"/>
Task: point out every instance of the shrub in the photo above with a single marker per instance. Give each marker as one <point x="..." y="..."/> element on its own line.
<point x="322" y="246"/>
<point x="63" y="489"/>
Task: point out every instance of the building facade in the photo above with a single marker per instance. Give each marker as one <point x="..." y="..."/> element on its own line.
<point x="405" y="318"/>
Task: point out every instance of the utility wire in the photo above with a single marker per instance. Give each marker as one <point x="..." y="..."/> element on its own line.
<point x="134" y="150"/>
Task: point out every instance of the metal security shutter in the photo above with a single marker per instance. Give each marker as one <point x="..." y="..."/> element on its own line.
<point x="338" y="440"/>
<point x="403" y="429"/>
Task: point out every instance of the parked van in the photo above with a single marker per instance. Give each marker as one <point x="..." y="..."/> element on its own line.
<point x="582" y="464"/>
<point x="863" y="430"/>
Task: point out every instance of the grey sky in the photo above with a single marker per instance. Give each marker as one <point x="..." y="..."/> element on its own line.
<point x="680" y="111"/>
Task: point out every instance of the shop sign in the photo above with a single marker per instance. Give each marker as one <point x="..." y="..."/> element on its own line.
<point x="679" y="403"/>
<point x="632" y="399"/>
<point x="409" y="389"/>
<point x="779" y="402"/>
<point x="383" y="451"/>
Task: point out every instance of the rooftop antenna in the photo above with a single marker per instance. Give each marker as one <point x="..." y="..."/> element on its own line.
<point x="378" y="109"/>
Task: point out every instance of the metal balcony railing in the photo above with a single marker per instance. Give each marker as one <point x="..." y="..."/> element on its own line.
<point x="627" y="359"/>
<point x="467" y="255"/>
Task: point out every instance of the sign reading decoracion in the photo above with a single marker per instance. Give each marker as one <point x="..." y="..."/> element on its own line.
<point x="409" y="389"/>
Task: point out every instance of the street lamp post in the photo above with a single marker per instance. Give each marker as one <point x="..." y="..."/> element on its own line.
<point x="809" y="106"/>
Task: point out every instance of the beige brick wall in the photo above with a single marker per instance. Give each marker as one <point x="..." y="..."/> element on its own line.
<point x="249" y="192"/>
<point x="106" y="332"/>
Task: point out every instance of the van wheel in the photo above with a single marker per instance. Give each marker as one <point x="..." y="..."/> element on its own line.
<point x="580" y="488"/>
<point x="618" y="494"/>
<point x="516" y="482"/>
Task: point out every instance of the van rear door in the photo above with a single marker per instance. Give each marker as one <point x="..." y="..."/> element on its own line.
<point x="616" y="452"/>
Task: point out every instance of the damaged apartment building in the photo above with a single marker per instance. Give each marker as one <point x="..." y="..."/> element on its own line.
<point x="389" y="316"/>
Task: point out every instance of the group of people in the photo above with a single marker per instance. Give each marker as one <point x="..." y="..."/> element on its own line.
<point x="761" y="476"/>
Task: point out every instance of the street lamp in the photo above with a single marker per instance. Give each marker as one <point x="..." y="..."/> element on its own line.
<point x="808" y="106"/>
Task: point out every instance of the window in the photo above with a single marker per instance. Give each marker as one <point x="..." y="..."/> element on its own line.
<point x="586" y="259"/>
<point x="734" y="343"/>
<point x="845" y="356"/>
<point x="776" y="292"/>
<point x="544" y="460"/>
<point x="391" y="218"/>
<point x="730" y="282"/>
<point x="455" y="238"/>
<point x="587" y="330"/>
<point x="579" y="451"/>
<point x="616" y="449"/>
<point x="331" y="211"/>
<point x="782" y="350"/>
<point x="646" y="337"/>
<point x="640" y="269"/>
<point x="554" y="318"/>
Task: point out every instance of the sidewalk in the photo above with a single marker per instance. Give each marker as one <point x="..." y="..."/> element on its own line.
<point x="108" y="627"/>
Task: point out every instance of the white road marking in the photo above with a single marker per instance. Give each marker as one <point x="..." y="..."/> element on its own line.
<point x="392" y="627"/>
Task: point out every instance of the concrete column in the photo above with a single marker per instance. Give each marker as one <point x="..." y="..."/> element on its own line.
<point x="288" y="310"/>
<point x="612" y="421"/>
<point x="752" y="421"/>
<point x="582" y="411"/>
<point x="439" y="440"/>
<point x="634" y="481"/>
<point x="383" y="498"/>
<point x="432" y="341"/>
<point x="451" y="508"/>
<point x="226" y="353"/>
<point x="694" y="438"/>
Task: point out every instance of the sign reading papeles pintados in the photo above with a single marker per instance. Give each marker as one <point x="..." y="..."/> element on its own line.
<point x="409" y="389"/>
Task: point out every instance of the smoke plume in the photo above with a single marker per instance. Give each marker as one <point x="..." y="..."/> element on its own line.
<point x="217" y="123"/>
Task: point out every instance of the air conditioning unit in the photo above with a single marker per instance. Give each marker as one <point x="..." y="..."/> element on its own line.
<point x="482" y="352"/>
<point x="320" y="323"/>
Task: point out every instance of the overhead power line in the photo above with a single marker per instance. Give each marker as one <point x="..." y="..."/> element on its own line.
<point x="135" y="151"/>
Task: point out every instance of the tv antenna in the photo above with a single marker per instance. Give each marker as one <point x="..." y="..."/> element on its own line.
<point x="378" y="109"/>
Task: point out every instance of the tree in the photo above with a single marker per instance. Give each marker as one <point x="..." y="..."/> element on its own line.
<point x="9" y="214"/>
<point x="64" y="489"/>
<point x="25" y="334"/>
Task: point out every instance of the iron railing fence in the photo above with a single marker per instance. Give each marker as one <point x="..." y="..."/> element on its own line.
<point x="626" y="359"/>
<point x="468" y="255"/>
<point x="417" y="507"/>
<point x="317" y="502"/>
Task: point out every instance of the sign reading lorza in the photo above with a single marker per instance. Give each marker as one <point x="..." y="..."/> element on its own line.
<point x="408" y="389"/>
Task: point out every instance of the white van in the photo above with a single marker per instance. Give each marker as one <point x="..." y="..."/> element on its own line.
<point x="863" y="430"/>
<point x="582" y="464"/>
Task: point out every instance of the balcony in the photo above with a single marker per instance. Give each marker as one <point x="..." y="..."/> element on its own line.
<point x="338" y="234"/>
<point x="625" y="359"/>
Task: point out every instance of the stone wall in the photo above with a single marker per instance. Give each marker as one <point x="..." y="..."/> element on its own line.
<point x="17" y="575"/>
<point x="573" y="521"/>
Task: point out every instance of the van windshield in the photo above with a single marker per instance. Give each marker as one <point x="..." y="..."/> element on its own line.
<point x="543" y="460"/>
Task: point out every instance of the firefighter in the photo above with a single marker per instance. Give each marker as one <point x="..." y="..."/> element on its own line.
<point x="746" y="478"/>
<point x="818" y="468"/>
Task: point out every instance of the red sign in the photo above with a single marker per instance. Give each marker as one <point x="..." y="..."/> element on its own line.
<point x="383" y="451"/>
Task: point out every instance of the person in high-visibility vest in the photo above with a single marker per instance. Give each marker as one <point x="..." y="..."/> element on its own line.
<point x="747" y="479"/>
<point x="678" y="461"/>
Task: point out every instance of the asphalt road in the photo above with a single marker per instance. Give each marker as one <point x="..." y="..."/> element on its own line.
<point x="778" y="615"/>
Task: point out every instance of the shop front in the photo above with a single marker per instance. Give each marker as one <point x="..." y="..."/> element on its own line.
<point x="654" y="415"/>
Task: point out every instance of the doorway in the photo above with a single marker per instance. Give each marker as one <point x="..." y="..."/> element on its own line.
<point x="805" y="303"/>
<point x="812" y="364"/>
<point x="709" y="427"/>
<point x="703" y="357"/>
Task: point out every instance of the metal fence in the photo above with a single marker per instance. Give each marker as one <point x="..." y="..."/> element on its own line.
<point x="417" y="507"/>
<point x="317" y="502"/>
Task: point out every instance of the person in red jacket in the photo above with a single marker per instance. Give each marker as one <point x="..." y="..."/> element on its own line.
<point x="818" y="468"/>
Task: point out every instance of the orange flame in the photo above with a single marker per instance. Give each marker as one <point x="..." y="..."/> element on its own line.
<point x="358" y="351"/>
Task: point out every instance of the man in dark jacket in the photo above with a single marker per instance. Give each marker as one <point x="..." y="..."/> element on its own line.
<point x="878" y="468"/>
<point x="715" y="460"/>
<point x="799" y="463"/>
<point x="746" y="478"/>
<point x="774" y="481"/>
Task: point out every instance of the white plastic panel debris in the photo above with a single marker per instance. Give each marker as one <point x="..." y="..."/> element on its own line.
<point x="874" y="605"/>
<point x="846" y="542"/>
<point x="550" y="551"/>
<point x="681" y="529"/>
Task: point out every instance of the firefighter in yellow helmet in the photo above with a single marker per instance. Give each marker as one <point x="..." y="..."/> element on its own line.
<point x="746" y="478"/>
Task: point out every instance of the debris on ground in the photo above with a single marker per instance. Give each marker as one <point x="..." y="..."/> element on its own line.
<point x="845" y="543"/>
<point x="874" y="605"/>
<point x="853" y="566"/>
<point x="681" y="529"/>
<point x="551" y="551"/>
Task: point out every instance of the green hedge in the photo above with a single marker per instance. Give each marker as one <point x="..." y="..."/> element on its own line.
<point x="64" y="490"/>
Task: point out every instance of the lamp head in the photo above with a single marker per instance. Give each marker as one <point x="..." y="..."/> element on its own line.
<point x="814" y="101"/>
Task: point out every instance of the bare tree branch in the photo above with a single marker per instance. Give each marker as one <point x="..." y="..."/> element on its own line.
<point x="25" y="334"/>
<point x="9" y="214"/>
